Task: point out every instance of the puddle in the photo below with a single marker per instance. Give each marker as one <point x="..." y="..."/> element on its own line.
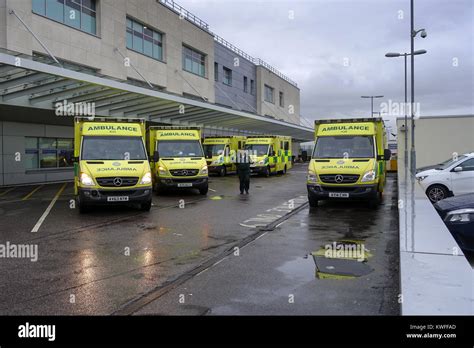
<point x="343" y="259"/>
<point x="216" y="198"/>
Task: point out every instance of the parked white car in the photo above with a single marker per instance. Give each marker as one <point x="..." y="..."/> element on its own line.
<point x="451" y="178"/>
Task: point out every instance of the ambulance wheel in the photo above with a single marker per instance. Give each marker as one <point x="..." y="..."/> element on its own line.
<point x="313" y="202"/>
<point x="158" y="189"/>
<point x="145" y="206"/>
<point x="266" y="173"/>
<point x="375" y="201"/>
<point x="83" y="208"/>
<point x="203" y="191"/>
<point x="223" y="171"/>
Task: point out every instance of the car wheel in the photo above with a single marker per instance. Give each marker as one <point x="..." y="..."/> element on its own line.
<point x="437" y="192"/>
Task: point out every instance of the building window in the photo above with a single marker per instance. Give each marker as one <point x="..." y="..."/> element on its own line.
<point x="144" y="40"/>
<point x="48" y="152"/>
<point x="216" y="72"/>
<point x="227" y="76"/>
<point x="282" y="102"/>
<point x="194" y="61"/>
<point x="245" y="85"/>
<point x="269" y="94"/>
<point x="79" y="14"/>
<point x="252" y="87"/>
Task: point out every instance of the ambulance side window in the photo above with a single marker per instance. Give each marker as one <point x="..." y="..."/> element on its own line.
<point x="270" y="151"/>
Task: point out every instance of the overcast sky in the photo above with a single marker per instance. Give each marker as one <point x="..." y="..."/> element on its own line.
<point x="323" y="35"/>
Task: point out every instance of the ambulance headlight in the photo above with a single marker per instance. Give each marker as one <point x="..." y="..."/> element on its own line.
<point x="204" y="170"/>
<point x="312" y="177"/>
<point x="146" y="179"/>
<point x="369" y="176"/>
<point x="162" y="171"/>
<point x="86" y="180"/>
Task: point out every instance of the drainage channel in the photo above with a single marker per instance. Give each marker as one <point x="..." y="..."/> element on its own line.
<point x="136" y="304"/>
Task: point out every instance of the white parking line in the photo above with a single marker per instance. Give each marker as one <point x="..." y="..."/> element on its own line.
<point x="48" y="209"/>
<point x="212" y="190"/>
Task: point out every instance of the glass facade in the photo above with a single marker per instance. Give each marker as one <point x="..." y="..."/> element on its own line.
<point x="194" y="61"/>
<point x="144" y="40"/>
<point x="48" y="152"/>
<point x="79" y="14"/>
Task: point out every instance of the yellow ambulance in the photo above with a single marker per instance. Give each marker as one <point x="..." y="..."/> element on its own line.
<point x="270" y="154"/>
<point x="110" y="163"/>
<point x="348" y="160"/>
<point x="221" y="152"/>
<point x="177" y="158"/>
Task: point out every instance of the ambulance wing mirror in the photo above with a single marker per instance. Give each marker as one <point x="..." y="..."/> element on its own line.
<point x="156" y="156"/>
<point x="386" y="155"/>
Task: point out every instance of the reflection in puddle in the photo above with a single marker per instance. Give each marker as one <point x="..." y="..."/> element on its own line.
<point x="344" y="259"/>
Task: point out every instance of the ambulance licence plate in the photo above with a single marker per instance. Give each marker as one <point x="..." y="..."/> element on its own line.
<point x="338" y="194"/>
<point x="117" y="199"/>
<point x="185" y="184"/>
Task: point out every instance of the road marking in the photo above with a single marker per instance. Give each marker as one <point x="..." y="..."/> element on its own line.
<point x="31" y="193"/>
<point x="212" y="190"/>
<point x="48" y="209"/>
<point x="5" y="192"/>
<point x="274" y="214"/>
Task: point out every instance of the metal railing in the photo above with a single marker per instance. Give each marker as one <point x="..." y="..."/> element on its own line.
<point x="185" y="13"/>
<point x="275" y="71"/>
<point x="233" y="48"/>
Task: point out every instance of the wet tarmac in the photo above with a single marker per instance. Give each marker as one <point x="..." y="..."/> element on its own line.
<point x="98" y="262"/>
<point x="338" y="259"/>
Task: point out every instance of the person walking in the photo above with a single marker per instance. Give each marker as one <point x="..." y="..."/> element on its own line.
<point x="243" y="170"/>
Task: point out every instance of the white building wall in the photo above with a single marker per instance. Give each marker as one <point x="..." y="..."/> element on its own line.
<point x="437" y="138"/>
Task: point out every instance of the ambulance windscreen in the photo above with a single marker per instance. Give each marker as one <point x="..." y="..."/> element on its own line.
<point x="211" y="150"/>
<point x="344" y="147"/>
<point x="117" y="148"/>
<point x="257" y="149"/>
<point x="179" y="148"/>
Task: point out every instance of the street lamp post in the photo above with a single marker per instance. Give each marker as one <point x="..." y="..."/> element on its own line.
<point x="394" y="55"/>
<point x="372" y="102"/>
<point x="413" y="34"/>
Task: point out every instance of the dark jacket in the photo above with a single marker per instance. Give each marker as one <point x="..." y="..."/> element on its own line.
<point x="243" y="167"/>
